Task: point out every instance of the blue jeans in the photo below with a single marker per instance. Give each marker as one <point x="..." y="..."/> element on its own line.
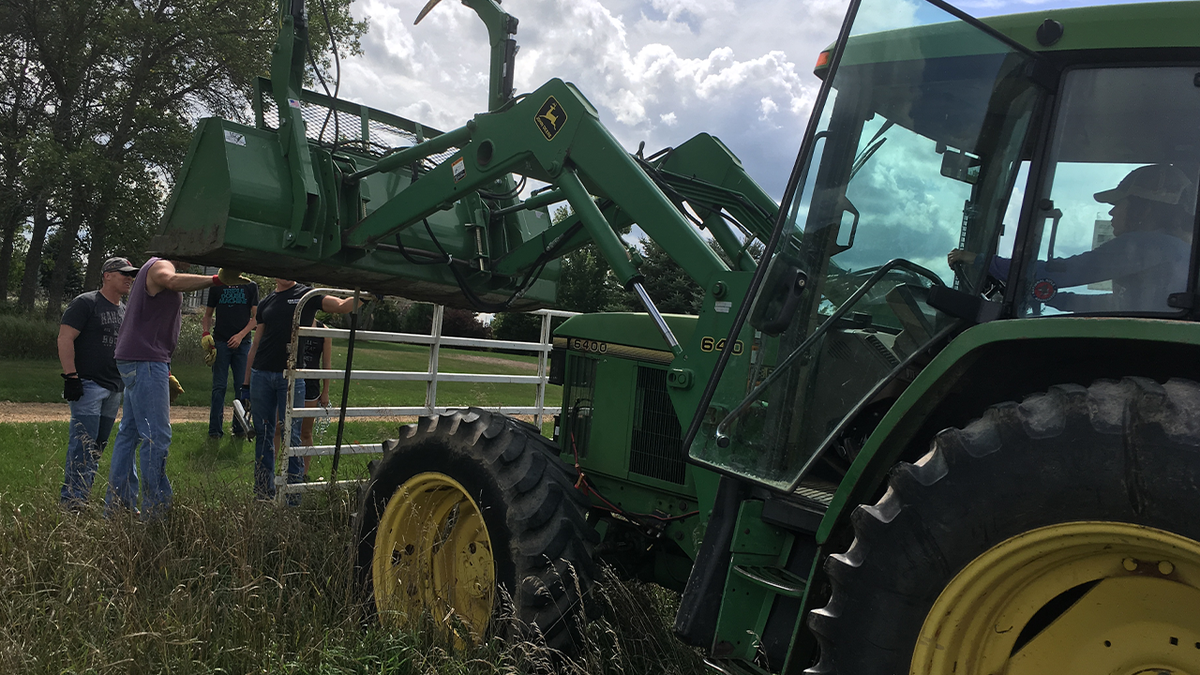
<point x="145" y="421"/>
<point x="91" y="422"/>
<point x="226" y="358"/>
<point x="268" y="403"/>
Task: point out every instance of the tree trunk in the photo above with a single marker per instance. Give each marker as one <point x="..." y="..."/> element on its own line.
<point x="33" y="258"/>
<point x="97" y="223"/>
<point x="13" y="216"/>
<point x="66" y="251"/>
<point x="97" y="231"/>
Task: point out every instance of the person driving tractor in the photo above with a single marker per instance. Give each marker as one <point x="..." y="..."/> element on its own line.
<point x="1147" y="258"/>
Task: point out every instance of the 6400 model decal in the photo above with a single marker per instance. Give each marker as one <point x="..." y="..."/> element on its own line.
<point x="593" y="346"/>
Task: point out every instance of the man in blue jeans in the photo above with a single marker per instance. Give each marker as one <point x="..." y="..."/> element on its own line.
<point x="87" y="337"/>
<point x="145" y="343"/>
<point x="267" y="378"/>
<point x="227" y="346"/>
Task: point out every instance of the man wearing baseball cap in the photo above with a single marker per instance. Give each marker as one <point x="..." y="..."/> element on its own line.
<point x="1147" y="259"/>
<point x="92" y="386"/>
<point x="145" y="343"/>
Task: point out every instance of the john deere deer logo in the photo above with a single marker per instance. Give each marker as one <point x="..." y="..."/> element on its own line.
<point x="550" y="118"/>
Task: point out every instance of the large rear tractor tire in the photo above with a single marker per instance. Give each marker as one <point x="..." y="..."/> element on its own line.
<point x="1057" y="535"/>
<point x="471" y="521"/>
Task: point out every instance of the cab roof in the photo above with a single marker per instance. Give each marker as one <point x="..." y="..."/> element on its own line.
<point x="1141" y="25"/>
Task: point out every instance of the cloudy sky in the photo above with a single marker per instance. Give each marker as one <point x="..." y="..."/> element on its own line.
<point x="659" y="71"/>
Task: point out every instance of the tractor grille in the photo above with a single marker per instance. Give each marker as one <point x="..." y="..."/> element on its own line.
<point x="581" y="391"/>
<point x="656" y="449"/>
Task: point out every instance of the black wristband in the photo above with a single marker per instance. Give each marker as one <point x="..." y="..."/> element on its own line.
<point x="70" y="376"/>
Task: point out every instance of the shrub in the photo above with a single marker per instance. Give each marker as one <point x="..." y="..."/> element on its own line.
<point x="418" y="318"/>
<point x="189" y="351"/>
<point x="387" y="315"/>
<point x="463" y="323"/>
<point x="381" y="314"/>
<point x="455" y="322"/>
<point x="28" y="337"/>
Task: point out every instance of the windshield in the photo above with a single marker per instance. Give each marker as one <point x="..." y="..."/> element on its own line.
<point x="918" y="149"/>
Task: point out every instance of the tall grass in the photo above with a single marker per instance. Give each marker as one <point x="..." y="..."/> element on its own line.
<point x="226" y="585"/>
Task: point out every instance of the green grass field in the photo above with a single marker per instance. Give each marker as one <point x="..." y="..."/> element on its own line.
<point x="228" y="585"/>
<point x="35" y="452"/>
<point x="38" y="381"/>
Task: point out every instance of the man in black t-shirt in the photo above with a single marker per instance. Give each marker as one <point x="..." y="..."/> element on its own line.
<point x="266" y="379"/>
<point x="92" y="385"/>
<point x="228" y="345"/>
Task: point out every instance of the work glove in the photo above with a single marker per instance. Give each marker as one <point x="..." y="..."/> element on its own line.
<point x="231" y="277"/>
<point x="210" y="349"/>
<point x="72" y="387"/>
<point x="175" y="387"/>
<point x="244" y="395"/>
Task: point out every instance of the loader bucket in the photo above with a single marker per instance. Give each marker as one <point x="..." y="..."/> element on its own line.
<point x="232" y="206"/>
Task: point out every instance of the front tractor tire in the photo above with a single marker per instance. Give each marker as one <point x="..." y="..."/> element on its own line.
<point x="471" y="521"/>
<point x="1057" y="535"/>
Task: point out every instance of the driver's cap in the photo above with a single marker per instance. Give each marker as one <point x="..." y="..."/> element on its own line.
<point x="1156" y="182"/>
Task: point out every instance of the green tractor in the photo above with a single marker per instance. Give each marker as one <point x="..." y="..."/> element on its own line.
<point x="947" y="422"/>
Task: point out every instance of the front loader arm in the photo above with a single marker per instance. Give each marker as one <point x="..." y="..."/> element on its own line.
<point x="553" y="135"/>
<point x="734" y="208"/>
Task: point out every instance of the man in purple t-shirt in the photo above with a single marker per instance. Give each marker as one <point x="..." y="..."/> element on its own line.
<point x="145" y="343"/>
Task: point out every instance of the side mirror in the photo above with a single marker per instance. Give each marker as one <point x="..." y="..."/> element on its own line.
<point x="779" y="297"/>
<point x="961" y="166"/>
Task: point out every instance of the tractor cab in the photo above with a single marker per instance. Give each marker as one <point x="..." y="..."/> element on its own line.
<point x="958" y="173"/>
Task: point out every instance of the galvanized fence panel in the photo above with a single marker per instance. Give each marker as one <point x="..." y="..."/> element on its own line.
<point x="432" y="376"/>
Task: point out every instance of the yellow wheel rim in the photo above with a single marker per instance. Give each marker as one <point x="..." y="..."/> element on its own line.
<point x="433" y="553"/>
<point x="1082" y="597"/>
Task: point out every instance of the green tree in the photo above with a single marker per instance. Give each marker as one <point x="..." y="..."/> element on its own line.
<point x="517" y="326"/>
<point x="125" y="80"/>
<point x="586" y="284"/>
<point x="23" y="100"/>
<point x="668" y="285"/>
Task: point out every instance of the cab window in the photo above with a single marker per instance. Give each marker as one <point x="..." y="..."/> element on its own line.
<point x="1113" y="231"/>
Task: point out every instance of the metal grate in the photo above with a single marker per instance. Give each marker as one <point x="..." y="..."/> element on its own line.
<point x="656" y="449"/>
<point x="581" y="391"/>
<point x="378" y="138"/>
<point x="877" y="344"/>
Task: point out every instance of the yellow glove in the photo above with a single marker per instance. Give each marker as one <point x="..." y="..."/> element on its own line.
<point x="231" y="277"/>
<point x="210" y="349"/>
<point x="176" y="388"/>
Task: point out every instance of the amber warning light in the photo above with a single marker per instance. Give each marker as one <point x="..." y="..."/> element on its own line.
<point x="823" y="59"/>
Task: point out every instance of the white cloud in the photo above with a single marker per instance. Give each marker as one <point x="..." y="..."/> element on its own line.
<point x="658" y="71"/>
<point x="767" y="107"/>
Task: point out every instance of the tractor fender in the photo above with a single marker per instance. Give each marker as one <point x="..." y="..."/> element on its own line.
<point x="1006" y="360"/>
